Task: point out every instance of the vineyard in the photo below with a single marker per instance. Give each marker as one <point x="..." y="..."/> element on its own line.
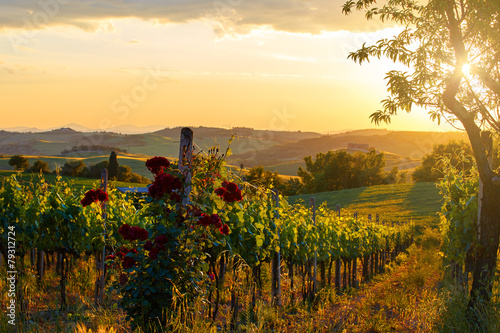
<point x="203" y="250"/>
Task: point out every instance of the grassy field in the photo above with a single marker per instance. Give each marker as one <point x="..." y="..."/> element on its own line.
<point x="77" y="181"/>
<point x="396" y="202"/>
<point x="137" y="163"/>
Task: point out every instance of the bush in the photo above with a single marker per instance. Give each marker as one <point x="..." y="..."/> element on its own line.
<point x="39" y="166"/>
<point x="73" y="169"/>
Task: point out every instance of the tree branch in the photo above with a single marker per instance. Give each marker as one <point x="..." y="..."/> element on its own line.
<point x="493" y="85"/>
<point x="450" y="101"/>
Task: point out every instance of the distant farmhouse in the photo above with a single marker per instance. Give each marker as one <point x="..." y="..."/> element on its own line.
<point x="359" y="146"/>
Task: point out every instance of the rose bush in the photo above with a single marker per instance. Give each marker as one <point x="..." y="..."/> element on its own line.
<point x="169" y="257"/>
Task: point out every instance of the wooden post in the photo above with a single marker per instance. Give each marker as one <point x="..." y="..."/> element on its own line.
<point x="185" y="158"/>
<point x="338" y="264"/>
<point x="338" y="210"/>
<point x="315" y="282"/>
<point x="102" y="271"/>
<point x="276" y="274"/>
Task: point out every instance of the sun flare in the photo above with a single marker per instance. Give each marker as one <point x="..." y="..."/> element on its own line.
<point x="466" y="69"/>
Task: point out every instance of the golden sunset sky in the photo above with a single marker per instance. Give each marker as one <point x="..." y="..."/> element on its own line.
<point x="266" y="64"/>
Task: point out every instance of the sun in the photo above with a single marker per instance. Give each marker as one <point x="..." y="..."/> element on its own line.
<point x="466" y="69"/>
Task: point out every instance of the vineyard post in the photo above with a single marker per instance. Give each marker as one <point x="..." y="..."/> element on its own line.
<point x="185" y="157"/>
<point x="276" y="275"/>
<point x="102" y="278"/>
<point x="313" y="208"/>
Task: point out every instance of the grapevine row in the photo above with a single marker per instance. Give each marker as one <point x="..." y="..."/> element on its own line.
<point x="253" y="230"/>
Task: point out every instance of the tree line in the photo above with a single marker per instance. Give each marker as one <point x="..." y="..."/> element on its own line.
<point x="86" y="148"/>
<point x="334" y="170"/>
<point x="338" y="170"/>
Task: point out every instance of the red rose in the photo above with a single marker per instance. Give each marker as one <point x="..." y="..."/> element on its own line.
<point x="164" y="184"/>
<point x="124" y="230"/>
<point x="220" y="191"/>
<point x="215" y="221"/>
<point x="153" y="254"/>
<point x="162" y="239"/>
<point x="224" y="229"/>
<point x="156" y="164"/>
<point x="148" y="246"/>
<point x="229" y="192"/>
<point x="128" y="262"/>
<point x="94" y="196"/>
<point x="123" y="279"/>
<point x="133" y="233"/>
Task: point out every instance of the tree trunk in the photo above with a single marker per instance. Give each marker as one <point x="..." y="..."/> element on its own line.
<point x="486" y="250"/>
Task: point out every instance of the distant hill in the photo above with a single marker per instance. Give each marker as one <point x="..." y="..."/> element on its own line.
<point x="283" y="151"/>
<point x="408" y="147"/>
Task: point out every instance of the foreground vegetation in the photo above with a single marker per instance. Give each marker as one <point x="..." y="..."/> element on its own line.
<point x="413" y="295"/>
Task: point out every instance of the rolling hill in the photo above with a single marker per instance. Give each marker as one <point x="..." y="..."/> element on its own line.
<point x="280" y="151"/>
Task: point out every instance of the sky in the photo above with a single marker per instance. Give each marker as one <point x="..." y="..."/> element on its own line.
<point x="265" y="64"/>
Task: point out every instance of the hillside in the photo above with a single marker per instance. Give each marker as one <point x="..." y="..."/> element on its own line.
<point x="280" y="151"/>
<point x="407" y="148"/>
<point x="395" y="202"/>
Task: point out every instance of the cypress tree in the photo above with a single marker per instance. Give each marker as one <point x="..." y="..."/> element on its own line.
<point x="113" y="166"/>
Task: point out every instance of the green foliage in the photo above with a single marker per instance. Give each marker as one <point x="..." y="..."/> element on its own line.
<point x="73" y="168"/>
<point x="429" y="170"/>
<point x="50" y="217"/>
<point x="458" y="216"/>
<point x="260" y="176"/>
<point x="337" y="170"/>
<point x="125" y="174"/>
<point x="39" y="166"/>
<point x="94" y="171"/>
<point x="19" y="162"/>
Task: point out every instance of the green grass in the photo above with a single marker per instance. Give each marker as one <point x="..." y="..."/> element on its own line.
<point x="395" y="202"/>
<point x="79" y="183"/>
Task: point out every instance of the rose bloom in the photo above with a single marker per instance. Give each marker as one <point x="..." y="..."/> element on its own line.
<point x="94" y="196"/>
<point x="156" y="164"/>
<point x="224" y="229"/>
<point x="128" y="262"/>
<point x="229" y="192"/>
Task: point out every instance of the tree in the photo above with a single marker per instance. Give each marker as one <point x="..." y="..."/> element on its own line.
<point x="125" y="174"/>
<point x="337" y="170"/>
<point x="73" y="168"/>
<point x="113" y="168"/>
<point x="19" y="162"/>
<point x="94" y="171"/>
<point x="429" y="170"/>
<point x="40" y="166"/>
<point x="452" y="51"/>
<point x="260" y="176"/>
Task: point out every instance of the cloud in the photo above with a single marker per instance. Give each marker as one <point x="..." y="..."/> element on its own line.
<point x="227" y="16"/>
